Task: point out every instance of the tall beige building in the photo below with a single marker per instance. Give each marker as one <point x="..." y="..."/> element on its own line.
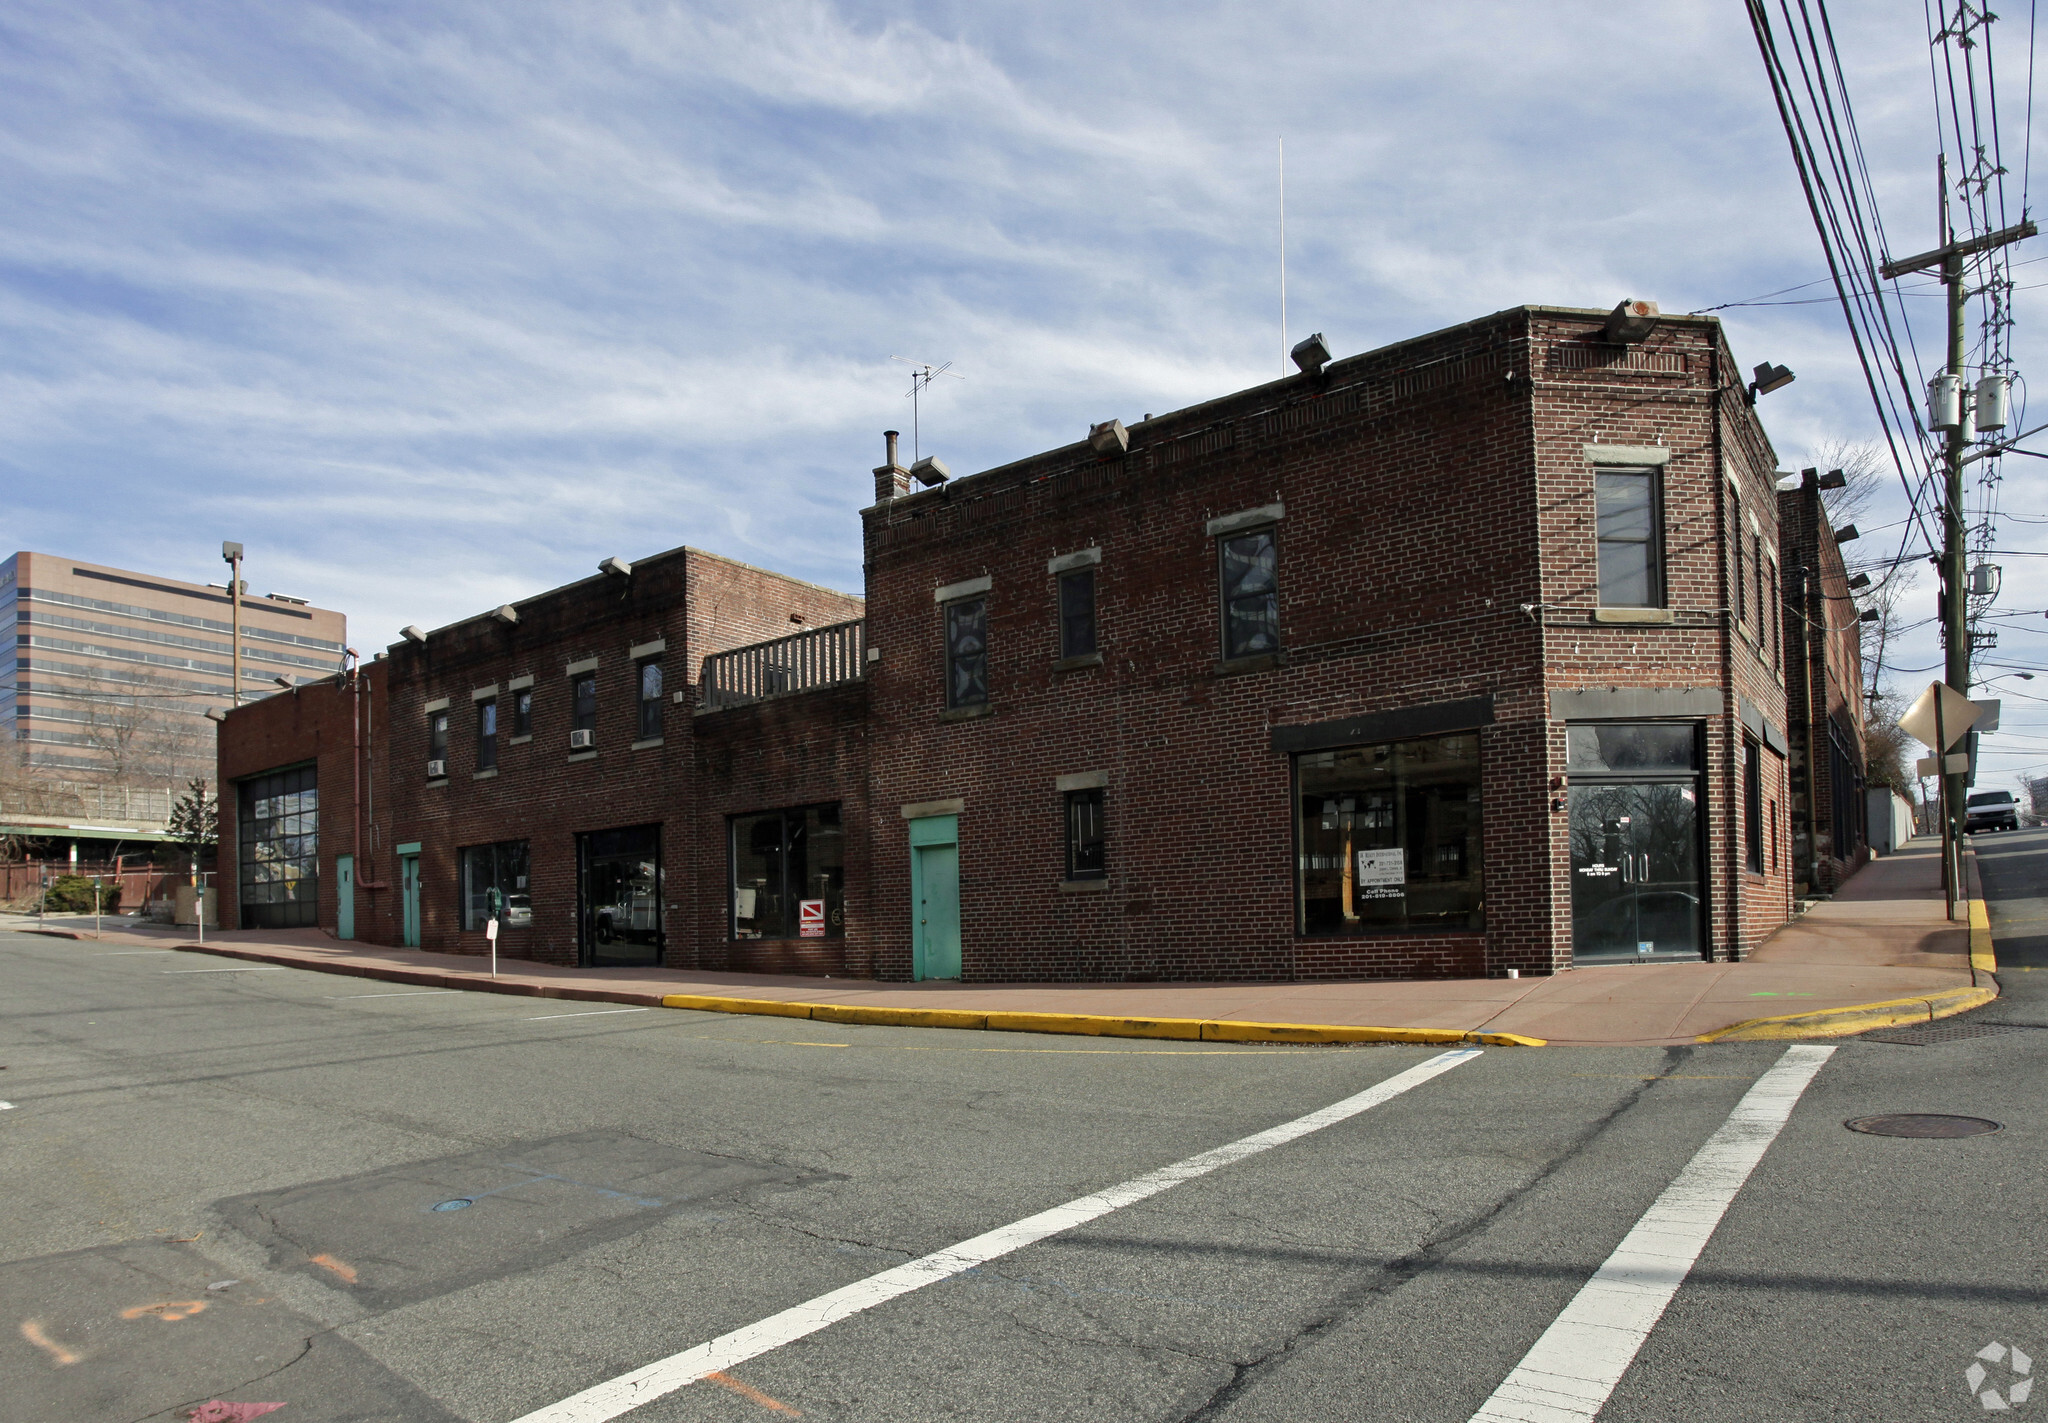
<point x="106" y="674"/>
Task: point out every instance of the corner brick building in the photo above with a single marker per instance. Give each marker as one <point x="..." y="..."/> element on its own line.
<point x="1456" y="657"/>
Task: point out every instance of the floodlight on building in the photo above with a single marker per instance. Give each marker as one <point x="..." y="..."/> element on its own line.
<point x="1847" y="534"/>
<point x="1859" y="582"/>
<point x="411" y="633"/>
<point x="505" y="613"/>
<point x="1109" y="438"/>
<point x="1834" y="479"/>
<point x="616" y="567"/>
<point x="1311" y="355"/>
<point x="216" y="714"/>
<point x="930" y="470"/>
<point x="1994" y="401"/>
<point x="230" y="552"/>
<point x="1869" y="615"/>
<point x="1767" y="378"/>
<point x="1632" y="321"/>
<point x="284" y="682"/>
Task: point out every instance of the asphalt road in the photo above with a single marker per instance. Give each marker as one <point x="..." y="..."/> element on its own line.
<point x="642" y="1182"/>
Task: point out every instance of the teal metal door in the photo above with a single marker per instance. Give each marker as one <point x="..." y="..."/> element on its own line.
<point x="409" y="897"/>
<point x="344" y="896"/>
<point x="935" y="894"/>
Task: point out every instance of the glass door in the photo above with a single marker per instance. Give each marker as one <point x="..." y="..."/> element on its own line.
<point x="618" y="875"/>
<point x="1637" y="890"/>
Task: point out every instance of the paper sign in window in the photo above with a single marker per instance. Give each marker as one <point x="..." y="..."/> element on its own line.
<point x="1382" y="874"/>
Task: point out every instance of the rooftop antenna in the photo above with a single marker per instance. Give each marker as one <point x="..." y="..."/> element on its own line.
<point x="922" y="374"/>
<point x="1283" y="254"/>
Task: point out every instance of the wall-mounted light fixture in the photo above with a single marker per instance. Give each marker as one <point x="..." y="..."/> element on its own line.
<point x="412" y="634"/>
<point x="930" y="470"/>
<point x="1860" y="581"/>
<point x="1847" y="534"/>
<point x="1833" y="479"/>
<point x="505" y="613"/>
<point x="1311" y="354"/>
<point x="1768" y="378"/>
<point x="616" y="567"/>
<point x="1109" y="438"/>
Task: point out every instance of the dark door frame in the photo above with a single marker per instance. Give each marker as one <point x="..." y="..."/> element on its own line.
<point x="586" y="928"/>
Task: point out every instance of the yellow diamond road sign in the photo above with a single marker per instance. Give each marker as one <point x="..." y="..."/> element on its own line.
<point x="1956" y="714"/>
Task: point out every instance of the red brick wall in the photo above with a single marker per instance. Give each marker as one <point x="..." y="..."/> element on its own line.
<point x="314" y="723"/>
<point x="1823" y="688"/>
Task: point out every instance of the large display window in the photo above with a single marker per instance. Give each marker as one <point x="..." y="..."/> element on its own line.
<point x="1388" y="836"/>
<point x="789" y="874"/>
<point x="278" y="834"/>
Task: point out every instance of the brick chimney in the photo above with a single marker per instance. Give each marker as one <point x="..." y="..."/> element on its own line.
<point x="892" y="480"/>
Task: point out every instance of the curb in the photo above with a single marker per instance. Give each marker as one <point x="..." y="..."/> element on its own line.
<point x="1858" y="1018"/>
<point x="1207" y="1030"/>
<point x="1983" y="955"/>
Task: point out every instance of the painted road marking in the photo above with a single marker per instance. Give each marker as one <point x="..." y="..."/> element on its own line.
<point x="6" y="1106"/>
<point x="239" y="968"/>
<point x="595" y="1013"/>
<point x="1573" y="1368"/>
<point x="409" y="993"/>
<point x="752" y="1394"/>
<point x="664" y="1376"/>
<point x="32" y="1330"/>
<point x="339" y="1267"/>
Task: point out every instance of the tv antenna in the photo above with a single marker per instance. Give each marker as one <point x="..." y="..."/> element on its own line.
<point x="922" y="374"/>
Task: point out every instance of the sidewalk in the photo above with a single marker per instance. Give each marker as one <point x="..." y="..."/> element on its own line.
<point x="1879" y="953"/>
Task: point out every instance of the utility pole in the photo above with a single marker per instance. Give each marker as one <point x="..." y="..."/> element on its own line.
<point x="1954" y="594"/>
<point x="232" y="554"/>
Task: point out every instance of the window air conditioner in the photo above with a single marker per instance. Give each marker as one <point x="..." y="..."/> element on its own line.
<point x="582" y="740"/>
<point x="436" y="770"/>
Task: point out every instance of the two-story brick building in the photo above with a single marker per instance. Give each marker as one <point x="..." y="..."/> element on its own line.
<point x="1452" y="658"/>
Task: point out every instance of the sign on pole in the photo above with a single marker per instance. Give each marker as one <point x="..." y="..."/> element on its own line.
<point x="1940" y="711"/>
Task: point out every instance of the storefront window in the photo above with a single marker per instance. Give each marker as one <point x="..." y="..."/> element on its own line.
<point x="789" y="874"/>
<point x="1389" y="837"/>
<point x="501" y="867"/>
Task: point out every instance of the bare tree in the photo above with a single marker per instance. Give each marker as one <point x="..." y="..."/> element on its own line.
<point x="1865" y="464"/>
<point x="146" y="729"/>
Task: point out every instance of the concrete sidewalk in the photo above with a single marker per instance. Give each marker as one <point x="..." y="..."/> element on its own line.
<point x="1880" y="952"/>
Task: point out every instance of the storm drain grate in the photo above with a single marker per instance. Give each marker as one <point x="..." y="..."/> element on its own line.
<point x="1946" y="1033"/>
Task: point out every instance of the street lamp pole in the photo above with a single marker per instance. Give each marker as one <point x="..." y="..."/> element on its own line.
<point x="232" y="554"/>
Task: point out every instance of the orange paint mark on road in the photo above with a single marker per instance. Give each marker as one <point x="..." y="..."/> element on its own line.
<point x="340" y="1267"/>
<point x="752" y="1394"/>
<point x="32" y="1330"/>
<point x="169" y="1311"/>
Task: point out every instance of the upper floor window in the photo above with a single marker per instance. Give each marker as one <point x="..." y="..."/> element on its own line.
<point x="487" y="735"/>
<point x="522" y="712"/>
<point x="650" y="700"/>
<point x="437" y="740"/>
<point x="1631" y="553"/>
<point x="1251" y="593"/>
<point x="1077" y="613"/>
<point x="967" y="653"/>
<point x="1763" y="608"/>
<point x="583" y="702"/>
<point x="1741" y="578"/>
<point x="1752" y="807"/>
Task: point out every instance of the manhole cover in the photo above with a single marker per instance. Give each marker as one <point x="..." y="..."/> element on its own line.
<point x="1946" y="1033"/>
<point x="1922" y="1124"/>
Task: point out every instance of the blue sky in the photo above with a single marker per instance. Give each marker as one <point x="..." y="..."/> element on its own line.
<point x="434" y="305"/>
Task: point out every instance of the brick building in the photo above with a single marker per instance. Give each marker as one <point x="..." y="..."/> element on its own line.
<point x="1451" y="658"/>
<point x="1823" y="695"/>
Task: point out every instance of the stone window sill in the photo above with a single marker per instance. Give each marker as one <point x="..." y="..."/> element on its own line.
<point x="1258" y="662"/>
<point x="437" y="781"/>
<point x="648" y="744"/>
<point x="1084" y="886"/>
<point x="484" y="775"/>
<point x="1638" y="616"/>
<point x="582" y="755"/>
<point x="1073" y="664"/>
<point x="518" y="740"/>
<point x="967" y="713"/>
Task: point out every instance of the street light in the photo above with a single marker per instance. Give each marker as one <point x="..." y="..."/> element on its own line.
<point x="231" y="554"/>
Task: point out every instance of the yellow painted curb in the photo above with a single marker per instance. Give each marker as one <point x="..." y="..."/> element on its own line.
<point x="1858" y="1018"/>
<point x="1983" y="955"/>
<point x="1093" y="1025"/>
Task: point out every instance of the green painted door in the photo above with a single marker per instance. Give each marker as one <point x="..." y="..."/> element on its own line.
<point x="409" y="897"/>
<point x="344" y="896"/>
<point x="935" y="892"/>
